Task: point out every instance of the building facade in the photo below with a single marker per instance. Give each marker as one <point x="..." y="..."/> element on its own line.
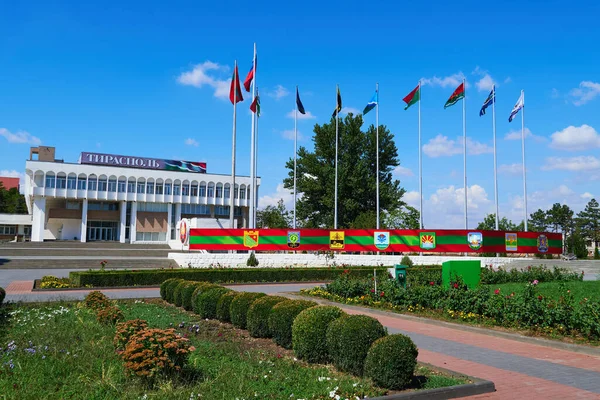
<point x="127" y="199"/>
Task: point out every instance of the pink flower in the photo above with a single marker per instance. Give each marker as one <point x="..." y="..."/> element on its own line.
<point x="431" y="283"/>
<point x="497" y="291"/>
<point x="372" y="290"/>
<point x="535" y="282"/>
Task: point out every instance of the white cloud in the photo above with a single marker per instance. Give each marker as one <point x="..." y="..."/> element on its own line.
<point x="20" y="137"/>
<point x="486" y="82"/>
<point x="516" y="135"/>
<point x="348" y="110"/>
<point x="402" y="171"/>
<point x="587" y="195"/>
<point x="507" y="80"/>
<point x="579" y="163"/>
<point x="446" y="81"/>
<point x="555" y="94"/>
<point x="308" y="115"/>
<point x="511" y="169"/>
<point x="201" y="76"/>
<point x="412" y="198"/>
<point x="544" y="199"/>
<point x="191" y="142"/>
<point x="273" y="198"/>
<point x="289" y="134"/>
<point x="442" y="146"/>
<point x="586" y="92"/>
<point x="575" y="138"/>
<point x="279" y="92"/>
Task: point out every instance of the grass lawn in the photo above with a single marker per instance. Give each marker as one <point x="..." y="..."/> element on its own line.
<point x="60" y="351"/>
<point x="579" y="289"/>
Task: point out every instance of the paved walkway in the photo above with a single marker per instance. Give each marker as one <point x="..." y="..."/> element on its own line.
<point x="520" y="367"/>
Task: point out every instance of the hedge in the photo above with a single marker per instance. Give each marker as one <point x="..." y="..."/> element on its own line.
<point x="178" y="292"/>
<point x="391" y="361"/>
<point x="157" y="276"/>
<point x="257" y="319"/>
<point x="309" y="333"/>
<point x="281" y="319"/>
<point x="238" y="310"/>
<point x="201" y="287"/>
<point x="2" y="295"/>
<point x="163" y="288"/>
<point x="206" y="302"/>
<point x="223" y="306"/>
<point x="186" y="295"/>
<point x="170" y="290"/>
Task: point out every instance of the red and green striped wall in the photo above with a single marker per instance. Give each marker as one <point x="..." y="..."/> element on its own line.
<point x="351" y="240"/>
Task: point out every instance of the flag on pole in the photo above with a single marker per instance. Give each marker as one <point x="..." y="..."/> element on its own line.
<point x="520" y="104"/>
<point x="372" y="103"/>
<point x="413" y="97"/>
<point x="250" y="75"/>
<point x="235" y="92"/>
<point x="299" y="103"/>
<point x="488" y="102"/>
<point x="255" y="106"/>
<point x="458" y="94"/>
<point x="338" y="107"/>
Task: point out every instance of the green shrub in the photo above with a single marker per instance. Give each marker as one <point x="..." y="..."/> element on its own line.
<point x="596" y="253"/>
<point x="223" y="306"/>
<point x="96" y="300"/>
<point x="170" y="290"/>
<point x="281" y="319"/>
<point x="2" y="295"/>
<point x="252" y="260"/>
<point x="201" y="287"/>
<point x="124" y="330"/>
<point x="178" y="292"/>
<point x="187" y="293"/>
<point x="529" y="274"/>
<point x="163" y="288"/>
<point x="109" y="315"/>
<point x="216" y="275"/>
<point x="238" y="310"/>
<point x="406" y="261"/>
<point x="257" y="320"/>
<point x="349" y="339"/>
<point x="206" y="302"/>
<point x="391" y="361"/>
<point x="309" y="333"/>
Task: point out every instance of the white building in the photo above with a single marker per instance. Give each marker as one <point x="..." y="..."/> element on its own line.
<point x="127" y="199"/>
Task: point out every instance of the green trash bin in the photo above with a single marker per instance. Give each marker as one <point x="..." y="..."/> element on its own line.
<point x="401" y="274"/>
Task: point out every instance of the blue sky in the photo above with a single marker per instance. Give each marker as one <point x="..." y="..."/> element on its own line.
<point x="148" y="78"/>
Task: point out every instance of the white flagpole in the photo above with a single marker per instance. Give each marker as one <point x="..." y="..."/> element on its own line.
<point x="420" y="166"/>
<point x="231" y="193"/>
<point x="335" y="207"/>
<point x="495" y="162"/>
<point x="255" y="181"/>
<point x="377" y="150"/>
<point x="523" y="153"/>
<point x="252" y="143"/>
<point x="295" y="149"/>
<point x="465" y="147"/>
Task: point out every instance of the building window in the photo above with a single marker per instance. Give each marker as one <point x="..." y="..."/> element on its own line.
<point x="81" y="184"/>
<point x="236" y="193"/>
<point x="102" y="185"/>
<point x="102" y="206"/>
<point x="27" y="230"/>
<point x="243" y="194"/>
<point x="195" y="209"/>
<point x="61" y="182"/>
<point x="72" y="205"/>
<point x="167" y="188"/>
<point x="176" y="190"/>
<point x="248" y="193"/>
<point x="121" y="186"/>
<point x="194" y="190"/>
<point x="185" y="190"/>
<point x="92" y="184"/>
<point x="237" y="211"/>
<point x="72" y="182"/>
<point x="219" y="192"/>
<point x="112" y="186"/>
<point x="227" y="192"/>
<point x="211" y="191"/>
<point x="159" y="188"/>
<point x="153" y="207"/>
<point x="222" y="210"/>
<point x="50" y="181"/>
<point x="8" y="229"/>
<point x="130" y="187"/>
<point x="140" y="187"/>
<point x="202" y="191"/>
<point x="150" y="188"/>
<point x="151" y="236"/>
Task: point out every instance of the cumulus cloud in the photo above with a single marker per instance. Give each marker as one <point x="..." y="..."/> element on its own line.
<point x="191" y="142"/>
<point x="273" y="198"/>
<point x="587" y="195"/>
<point x="278" y="93"/>
<point x="486" y="82"/>
<point x="348" y="110"/>
<point x="444" y="82"/>
<point x="308" y="115"/>
<point x="402" y="171"/>
<point x="574" y="138"/>
<point x="289" y="134"/>
<point x="205" y="75"/>
<point x="20" y="137"/>
<point x="516" y="135"/>
<point x="442" y="146"/>
<point x="586" y="92"/>
<point x="511" y="169"/>
<point x="574" y="164"/>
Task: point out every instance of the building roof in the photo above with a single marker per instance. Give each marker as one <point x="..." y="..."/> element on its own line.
<point x="9" y="182"/>
<point x="15" y="219"/>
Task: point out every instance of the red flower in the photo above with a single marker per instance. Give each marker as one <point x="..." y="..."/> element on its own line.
<point x="497" y="291"/>
<point x="540" y="298"/>
<point x="455" y="286"/>
<point x="278" y="355"/>
<point x="372" y="290"/>
<point x="431" y="283"/>
<point x="529" y="268"/>
<point x="382" y="294"/>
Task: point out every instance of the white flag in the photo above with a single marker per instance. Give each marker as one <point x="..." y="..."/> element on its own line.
<point x="520" y="104"/>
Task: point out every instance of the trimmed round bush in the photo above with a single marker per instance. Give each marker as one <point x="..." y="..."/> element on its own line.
<point x="206" y="302"/>
<point x="163" y="287"/>
<point x="391" y="361"/>
<point x="281" y="319"/>
<point x="309" y="333"/>
<point x="238" y="310"/>
<point x="178" y="293"/>
<point x="186" y="295"/>
<point x="257" y="319"/>
<point x="349" y="339"/>
<point x="201" y="287"/>
<point x="2" y="295"/>
<point x="170" y="289"/>
<point x="223" y="306"/>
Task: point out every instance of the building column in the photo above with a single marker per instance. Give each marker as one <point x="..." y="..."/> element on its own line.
<point x="177" y="212"/>
<point x="122" y="229"/>
<point x="84" y="210"/>
<point x="169" y="218"/>
<point x="133" y="226"/>
<point x="39" y="219"/>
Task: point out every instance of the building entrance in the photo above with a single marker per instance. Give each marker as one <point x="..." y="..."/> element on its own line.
<point x="102" y="230"/>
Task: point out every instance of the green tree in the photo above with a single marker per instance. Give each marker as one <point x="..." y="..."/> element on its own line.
<point x="538" y="221"/>
<point x="504" y="224"/>
<point x="588" y="221"/>
<point x="274" y="216"/>
<point x="356" y="175"/>
<point x="560" y="218"/>
<point x="406" y="217"/>
<point x="11" y="201"/>
<point x="576" y="244"/>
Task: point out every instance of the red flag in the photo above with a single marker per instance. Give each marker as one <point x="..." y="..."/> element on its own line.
<point x="235" y="92"/>
<point x="250" y="76"/>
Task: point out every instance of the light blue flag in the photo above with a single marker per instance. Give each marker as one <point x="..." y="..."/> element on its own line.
<point x="371" y="104"/>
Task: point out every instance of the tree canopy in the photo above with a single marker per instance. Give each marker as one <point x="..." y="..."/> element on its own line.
<point x="11" y="201"/>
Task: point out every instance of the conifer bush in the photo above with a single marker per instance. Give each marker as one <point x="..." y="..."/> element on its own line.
<point x="391" y="361"/>
<point x="257" y="319"/>
<point x="201" y="288"/>
<point x="206" y="302"/>
<point x="223" y="306"/>
<point x="309" y="333"/>
<point x="163" y="288"/>
<point x="187" y="293"/>
<point x="239" y="307"/>
<point x="170" y="290"/>
<point x="281" y="319"/>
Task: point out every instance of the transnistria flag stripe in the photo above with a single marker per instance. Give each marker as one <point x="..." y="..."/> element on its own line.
<point x="458" y="94"/>
<point x="413" y="97"/>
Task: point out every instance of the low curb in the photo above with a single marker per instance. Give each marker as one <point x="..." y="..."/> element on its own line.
<point x="450" y="392"/>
